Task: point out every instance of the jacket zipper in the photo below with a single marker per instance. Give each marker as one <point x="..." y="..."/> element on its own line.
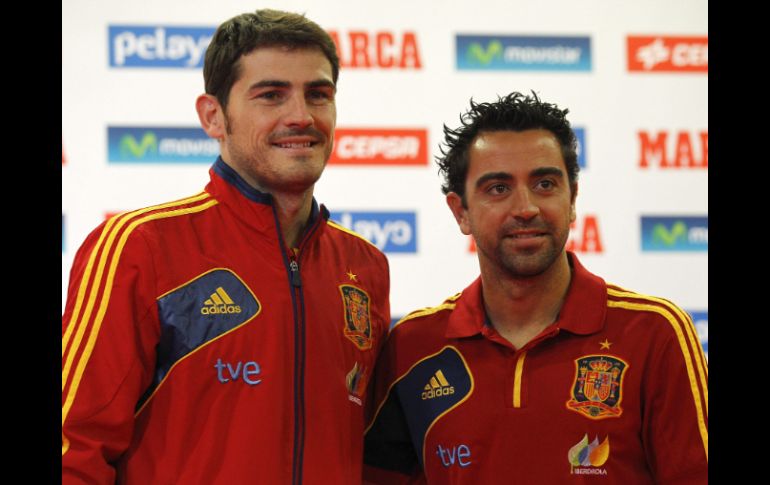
<point x="291" y="262"/>
<point x="299" y="369"/>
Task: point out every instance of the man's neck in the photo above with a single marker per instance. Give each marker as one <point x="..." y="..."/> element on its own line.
<point x="293" y="212"/>
<point x="521" y="308"/>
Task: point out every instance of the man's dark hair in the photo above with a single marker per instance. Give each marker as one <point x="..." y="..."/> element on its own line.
<point x="264" y="28"/>
<point x="514" y="112"/>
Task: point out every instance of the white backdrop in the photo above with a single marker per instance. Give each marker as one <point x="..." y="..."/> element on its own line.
<point x="613" y="105"/>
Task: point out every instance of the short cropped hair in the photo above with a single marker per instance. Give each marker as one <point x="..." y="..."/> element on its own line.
<point x="264" y="28"/>
<point x="514" y="112"/>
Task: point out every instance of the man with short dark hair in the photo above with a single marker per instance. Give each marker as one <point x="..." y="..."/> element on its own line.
<point x="228" y="337"/>
<point x="539" y="372"/>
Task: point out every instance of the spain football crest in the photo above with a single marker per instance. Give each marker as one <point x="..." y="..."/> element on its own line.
<point x="598" y="386"/>
<point x="358" y="324"/>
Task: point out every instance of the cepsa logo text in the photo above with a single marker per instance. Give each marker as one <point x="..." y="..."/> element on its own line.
<point x="518" y="53"/>
<point x="584" y="236"/>
<point x="354" y="146"/>
<point x="359" y="49"/>
<point x="685" y="150"/>
<point x="668" y="54"/>
<point x="391" y="232"/>
<point x="701" y="321"/>
<point x="672" y="233"/>
<point x="158" y="46"/>
<point x="160" y="145"/>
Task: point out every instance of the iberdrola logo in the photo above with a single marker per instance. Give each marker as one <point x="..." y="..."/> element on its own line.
<point x="586" y="458"/>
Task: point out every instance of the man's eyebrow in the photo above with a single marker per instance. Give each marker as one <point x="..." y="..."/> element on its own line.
<point x="321" y="83"/>
<point x="543" y="171"/>
<point x="269" y="83"/>
<point x="493" y="176"/>
<point x="275" y="83"/>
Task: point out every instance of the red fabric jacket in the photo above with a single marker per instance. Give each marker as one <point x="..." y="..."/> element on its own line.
<point x="614" y="392"/>
<point x="197" y="349"/>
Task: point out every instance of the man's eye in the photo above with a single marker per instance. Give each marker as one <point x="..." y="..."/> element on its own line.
<point x="546" y="184"/>
<point x="497" y="189"/>
<point x="320" y="96"/>
<point x="269" y="95"/>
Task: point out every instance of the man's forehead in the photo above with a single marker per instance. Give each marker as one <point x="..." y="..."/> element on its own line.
<point x="258" y="58"/>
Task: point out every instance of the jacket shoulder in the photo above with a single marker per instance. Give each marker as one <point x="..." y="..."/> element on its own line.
<point x="427" y="319"/>
<point x="352" y="238"/>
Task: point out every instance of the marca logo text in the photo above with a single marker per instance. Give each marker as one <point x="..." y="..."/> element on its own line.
<point x="359" y="49"/>
<point x="158" y="46"/>
<point x="391" y="232"/>
<point x="160" y="145"/>
<point x="668" y="54"/>
<point x="521" y="53"/>
<point x="364" y="146"/>
<point x="687" y="151"/>
<point x="672" y="233"/>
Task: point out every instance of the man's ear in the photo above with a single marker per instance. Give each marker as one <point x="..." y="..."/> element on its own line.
<point x="573" y="196"/>
<point x="455" y="204"/>
<point x="211" y="116"/>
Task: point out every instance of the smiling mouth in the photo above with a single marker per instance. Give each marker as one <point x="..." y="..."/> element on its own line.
<point x="528" y="235"/>
<point x="306" y="144"/>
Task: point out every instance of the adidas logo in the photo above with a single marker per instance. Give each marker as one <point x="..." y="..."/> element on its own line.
<point x="219" y="303"/>
<point x="437" y="386"/>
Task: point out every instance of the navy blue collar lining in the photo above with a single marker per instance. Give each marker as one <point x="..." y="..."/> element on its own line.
<point x="231" y="176"/>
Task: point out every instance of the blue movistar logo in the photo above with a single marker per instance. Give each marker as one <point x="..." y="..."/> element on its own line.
<point x="675" y="233"/>
<point x="520" y="53"/>
<point x="158" y="46"/>
<point x="160" y="145"/>
<point x="580" y="134"/>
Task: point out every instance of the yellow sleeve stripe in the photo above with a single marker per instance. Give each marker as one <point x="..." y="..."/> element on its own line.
<point x="424" y="312"/>
<point x="99" y="245"/>
<point x="82" y="324"/>
<point x="696" y="393"/>
<point x="692" y="334"/>
<point x="448" y="304"/>
<point x="352" y="233"/>
<point x="77" y="323"/>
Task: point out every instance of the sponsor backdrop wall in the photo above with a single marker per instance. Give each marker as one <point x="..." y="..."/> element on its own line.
<point x="633" y="74"/>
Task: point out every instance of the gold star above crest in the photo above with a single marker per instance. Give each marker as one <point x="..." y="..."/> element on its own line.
<point x="351" y="276"/>
<point x="606" y="344"/>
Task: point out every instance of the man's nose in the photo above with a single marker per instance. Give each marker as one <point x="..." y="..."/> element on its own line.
<point x="523" y="205"/>
<point x="297" y="112"/>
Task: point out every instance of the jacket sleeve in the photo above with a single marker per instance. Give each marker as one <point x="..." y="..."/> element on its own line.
<point x="389" y="456"/>
<point x="109" y="332"/>
<point x="675" y="405"/>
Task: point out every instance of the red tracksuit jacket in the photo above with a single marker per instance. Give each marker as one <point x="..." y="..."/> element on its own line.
<point x="197" y="349"/>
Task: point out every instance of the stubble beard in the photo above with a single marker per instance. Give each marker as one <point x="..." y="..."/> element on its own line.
<point x="520" y="264"/>
<point x="247" y="161"/>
